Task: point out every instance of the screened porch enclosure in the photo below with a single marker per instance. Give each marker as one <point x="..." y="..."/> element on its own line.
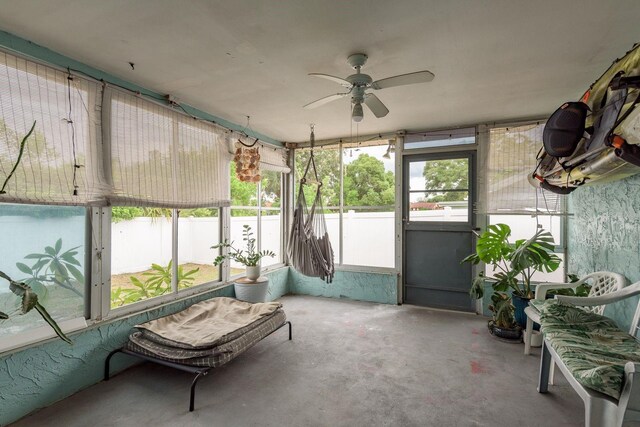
<point x="152" y="155"/>
<point x="157" y="189"/>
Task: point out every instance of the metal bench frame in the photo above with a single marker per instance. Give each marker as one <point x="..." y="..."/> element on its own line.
<point x="199" y="371"/>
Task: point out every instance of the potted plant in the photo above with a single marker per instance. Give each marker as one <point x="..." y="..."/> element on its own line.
<point x="513" y="266"/>
<point x="250" y="258"/>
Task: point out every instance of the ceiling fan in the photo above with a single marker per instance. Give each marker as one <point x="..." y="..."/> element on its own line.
<point x="358" y="83"/>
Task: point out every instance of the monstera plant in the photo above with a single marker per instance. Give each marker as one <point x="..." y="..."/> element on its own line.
<point x="513" y="266"/>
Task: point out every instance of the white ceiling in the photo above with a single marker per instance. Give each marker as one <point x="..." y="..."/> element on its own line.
<point x="493" y="60"/>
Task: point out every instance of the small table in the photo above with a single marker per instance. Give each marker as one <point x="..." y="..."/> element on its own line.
<point x="252" y="290"/>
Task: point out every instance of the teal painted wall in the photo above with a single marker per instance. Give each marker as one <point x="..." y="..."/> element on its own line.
<point x="25" y="47"/>
<point x="362" y="286"/>
<point x="278" y="283"/>
<point x="41" y="375"/>
<point x="604" y="234"/>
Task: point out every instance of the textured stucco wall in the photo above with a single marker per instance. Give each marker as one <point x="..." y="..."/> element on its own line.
<point x="362" y="286"/>
<point x="40" y="375"/>
<point x="604" y="234"/>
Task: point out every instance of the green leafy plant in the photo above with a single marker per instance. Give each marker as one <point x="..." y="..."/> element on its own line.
<point x="502" y="309"/>
<point x="157" y="282"/>
<point x="580" y="291"/>
<point x="53" y="266"/>
<point x="513" y="264"/>
<point x="29" y="302"/>
<point x="249" y="257"/>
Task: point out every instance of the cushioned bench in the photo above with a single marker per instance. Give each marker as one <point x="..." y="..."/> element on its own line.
<point x="598" y="359"/>
<point x="204" y="336"/>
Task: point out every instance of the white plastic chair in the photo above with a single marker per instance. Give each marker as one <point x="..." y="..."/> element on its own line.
<point x="600" y="410"/>
<point x="602" y="283"/>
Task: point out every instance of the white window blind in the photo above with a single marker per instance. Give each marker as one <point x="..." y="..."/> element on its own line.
<point x="273" y="159"/>
<point x="509" y="160"/>
<point x="162" y="158"/>
<point x="60" y="156"/>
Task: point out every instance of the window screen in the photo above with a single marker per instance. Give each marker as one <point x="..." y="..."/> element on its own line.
<point x="163" y="158"/>
<point x="58" y="159"/>
<point x="511" y="158"/>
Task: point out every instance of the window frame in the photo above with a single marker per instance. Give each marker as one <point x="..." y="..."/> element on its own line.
<point x="109" y="312"/>
<point x="258" y="232"/>
<point x="396" y="208"/>
<point x="36" y="335"/>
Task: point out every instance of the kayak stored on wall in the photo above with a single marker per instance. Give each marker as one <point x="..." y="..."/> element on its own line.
<point x="595" y="139"/>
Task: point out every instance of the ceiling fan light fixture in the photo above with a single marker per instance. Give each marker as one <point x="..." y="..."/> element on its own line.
<point x="357" y="114"/>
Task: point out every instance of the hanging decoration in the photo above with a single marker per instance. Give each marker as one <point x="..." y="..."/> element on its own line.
<point x="247" y="163"/>
<point x="247" y="159"/>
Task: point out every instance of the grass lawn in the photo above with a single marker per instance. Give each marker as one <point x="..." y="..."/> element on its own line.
<point x="206" y="273"/>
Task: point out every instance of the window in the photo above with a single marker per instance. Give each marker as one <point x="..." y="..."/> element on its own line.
<point x="271" y="216"/>
<point x="164" y="174"/>
<point x="47" y="252"/>
<point x="525" y="226"/>
<point x="198" y="231"/>
<point x="367" y="213"/>
<point x="439" y="190"/>
<point x="327" y="161"/>
<point x="142" y="263"/>
<point x="449" y="138"/>
<point x="511" y="200"/>
<point x="257" y="205"/>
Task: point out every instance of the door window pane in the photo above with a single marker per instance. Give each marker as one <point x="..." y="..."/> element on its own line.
<point x="423" y="207"/>
<point x="47" y="252"/>
<point x="140" y="254"/>
<point x="439" y="190"/>
<point x="198" y="231"/>
<point x="444" y="174"/>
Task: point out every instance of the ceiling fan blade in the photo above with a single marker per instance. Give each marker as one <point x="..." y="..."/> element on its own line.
<point x="375" y="105"/>
<point x="404" y="79"/>
<point x="325" y="100"/>
<point x="334" y="79"/>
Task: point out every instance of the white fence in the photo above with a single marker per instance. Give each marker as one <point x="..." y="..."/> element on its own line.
<point x="368" y="238"/>
<point x="138" y="243"/>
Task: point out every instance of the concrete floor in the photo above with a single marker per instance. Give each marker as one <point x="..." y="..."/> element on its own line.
<point x="349" y="364"/>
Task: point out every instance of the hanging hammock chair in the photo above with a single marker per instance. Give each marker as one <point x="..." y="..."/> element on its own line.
<point x="309" y="248"/>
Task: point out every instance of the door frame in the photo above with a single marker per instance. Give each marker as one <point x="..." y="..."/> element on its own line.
<point x="459" y="152"/>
